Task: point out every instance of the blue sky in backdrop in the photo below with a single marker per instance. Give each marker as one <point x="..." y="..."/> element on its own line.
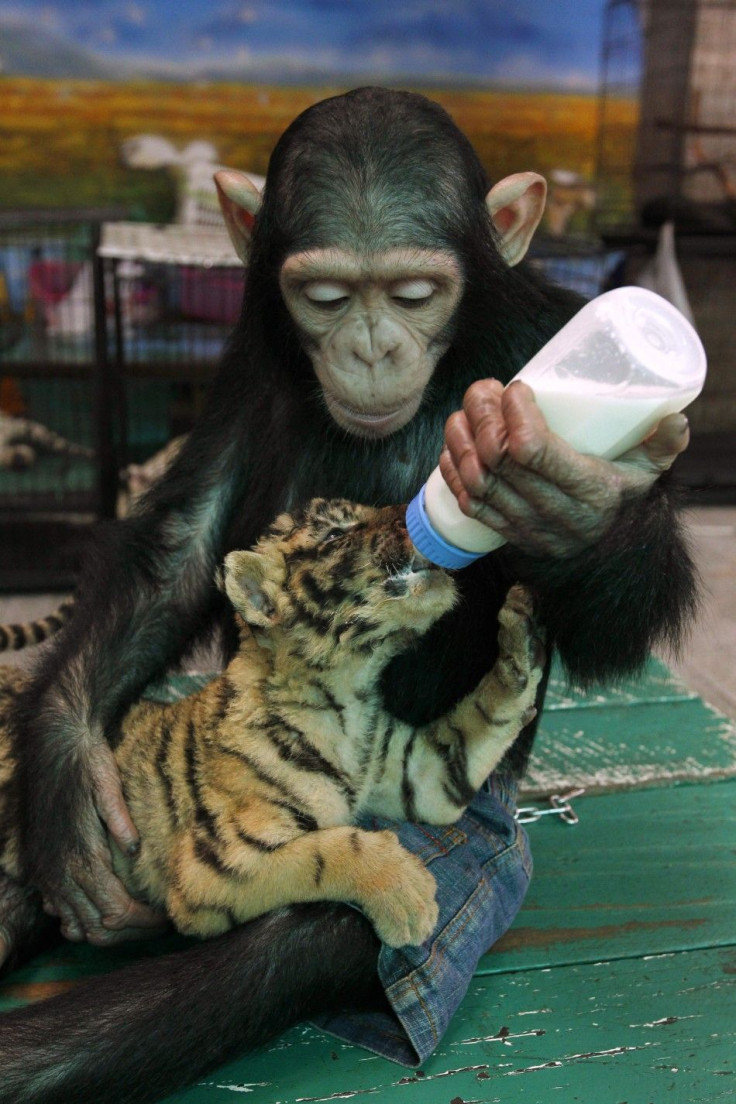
<point x="554" y="43"/>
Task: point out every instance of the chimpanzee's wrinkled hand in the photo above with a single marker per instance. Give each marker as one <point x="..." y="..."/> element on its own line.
<point x="508" y="470"/>
<point x="91" y="902"/>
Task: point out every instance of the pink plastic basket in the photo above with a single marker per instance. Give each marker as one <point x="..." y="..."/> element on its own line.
<point x="49" y="281"/>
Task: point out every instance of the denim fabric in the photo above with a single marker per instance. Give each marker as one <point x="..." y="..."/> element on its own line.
<point x="482" y="865"/>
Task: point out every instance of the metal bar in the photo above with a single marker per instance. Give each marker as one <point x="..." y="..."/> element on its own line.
<point x="106" y="452"/>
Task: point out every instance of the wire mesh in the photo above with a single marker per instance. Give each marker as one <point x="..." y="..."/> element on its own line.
<point x="667" y="115"/>
<point x="47" y="354"/>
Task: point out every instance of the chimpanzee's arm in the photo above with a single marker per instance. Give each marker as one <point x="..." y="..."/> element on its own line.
<point x="147" y="589"/>
<point x="600" y="541"/>
<point x="608" y="605"/>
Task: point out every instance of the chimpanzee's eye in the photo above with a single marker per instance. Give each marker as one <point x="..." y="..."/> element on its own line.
<point x="413" y="293"/>
<point x="326" y="294"/>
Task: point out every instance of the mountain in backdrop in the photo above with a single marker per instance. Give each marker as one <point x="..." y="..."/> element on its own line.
<point x="31" y="51"/>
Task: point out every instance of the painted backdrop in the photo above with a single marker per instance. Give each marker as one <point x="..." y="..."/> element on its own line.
<point x="80" y="78"/>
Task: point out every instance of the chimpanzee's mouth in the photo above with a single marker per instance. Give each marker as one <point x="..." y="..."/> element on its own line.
<point x="371" y="423"/>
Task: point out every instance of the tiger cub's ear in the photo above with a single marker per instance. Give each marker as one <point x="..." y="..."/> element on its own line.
<point x="251" y="585"/>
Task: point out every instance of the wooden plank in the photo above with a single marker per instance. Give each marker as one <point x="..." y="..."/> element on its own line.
<point x="55" y="971"/>
<point x="645" y="872"/>
<point x="645" y="1029"/>
<point x="626" y="746"/>
<point x="642" y="1031"/>
<point x="175" y="687"/>
<point x="655" y="684"/>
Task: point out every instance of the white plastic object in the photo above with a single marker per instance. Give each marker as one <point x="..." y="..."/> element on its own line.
<point x="624" y="362"/>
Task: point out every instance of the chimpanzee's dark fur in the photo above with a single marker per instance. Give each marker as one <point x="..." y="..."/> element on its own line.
<point x="372" y="170"/>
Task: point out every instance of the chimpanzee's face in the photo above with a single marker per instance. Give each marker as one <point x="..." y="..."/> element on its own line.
<point x="374" y="327"/>
<point x="374" y="316"/>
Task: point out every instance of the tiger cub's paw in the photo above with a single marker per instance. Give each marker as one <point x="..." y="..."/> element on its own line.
<point x="521" y="654"/>
<point x="399" y="894"/>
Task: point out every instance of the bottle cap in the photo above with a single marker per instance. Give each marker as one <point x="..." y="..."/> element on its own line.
<point x="428" y="541"/>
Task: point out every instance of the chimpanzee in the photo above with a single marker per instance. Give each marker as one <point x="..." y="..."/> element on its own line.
<point x="386" y="292"/>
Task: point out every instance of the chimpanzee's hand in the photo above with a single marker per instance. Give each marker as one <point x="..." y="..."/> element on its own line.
<point x="91" y="902"/>
<point x="508" y="470"/>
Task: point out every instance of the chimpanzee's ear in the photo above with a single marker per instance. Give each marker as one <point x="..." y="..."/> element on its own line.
<point x="250" y="585"/>
<point x="240" y="201"/>
<point x="516" y="205"/>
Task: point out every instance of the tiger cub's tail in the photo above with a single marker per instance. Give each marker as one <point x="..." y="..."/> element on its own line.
<point x="29" y="633"/>
<point x="21" y="440"/>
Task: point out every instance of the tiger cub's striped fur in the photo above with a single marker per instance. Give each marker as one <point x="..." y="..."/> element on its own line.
<point x="245" y="794"/>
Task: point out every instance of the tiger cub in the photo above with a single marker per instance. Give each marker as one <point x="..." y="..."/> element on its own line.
<point x="245" y="793"/>
<point x="21" y="440"/>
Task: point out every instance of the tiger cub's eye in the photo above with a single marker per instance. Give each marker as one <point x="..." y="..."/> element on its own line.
<point x="333" y="535"/>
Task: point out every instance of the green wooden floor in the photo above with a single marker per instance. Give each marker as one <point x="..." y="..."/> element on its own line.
<point x="616" y="984"/>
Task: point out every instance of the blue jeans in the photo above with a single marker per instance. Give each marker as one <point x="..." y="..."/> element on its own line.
<point x="482" y="865"/>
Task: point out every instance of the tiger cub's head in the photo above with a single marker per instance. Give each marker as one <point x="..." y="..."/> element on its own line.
<point x="339" y="575"/>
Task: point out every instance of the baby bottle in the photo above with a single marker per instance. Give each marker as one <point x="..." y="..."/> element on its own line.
<point x="626" y="360"/>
